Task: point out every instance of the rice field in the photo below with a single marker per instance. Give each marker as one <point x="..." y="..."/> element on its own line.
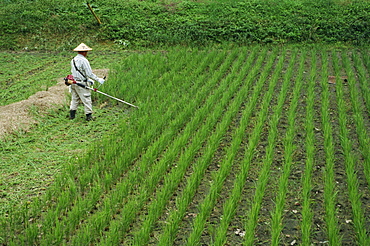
<point x="230" y="146"/>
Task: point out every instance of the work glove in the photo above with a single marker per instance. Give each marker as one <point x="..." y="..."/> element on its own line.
<point x="101" y="80"/>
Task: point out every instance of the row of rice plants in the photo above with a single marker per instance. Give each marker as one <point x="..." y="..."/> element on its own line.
<point x="192" y="183"/>
<point x="307" y="213"/>
<point x="329" y="179"/>
<point x="148" y="132"/>
<point x="289" y="147"/>
<point x="350" y="159"/>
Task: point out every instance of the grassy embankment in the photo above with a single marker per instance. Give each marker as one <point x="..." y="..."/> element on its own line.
<point x="59" y="25"/>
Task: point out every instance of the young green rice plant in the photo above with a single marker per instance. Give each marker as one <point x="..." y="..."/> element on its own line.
<point x="129" y="84"/>
<point x="366" y="59"/>
<point x="363" y="72"/>
<point x="350" y="162"/>
<point x="263" y="178"/>
<point x="93" y="228"/>
<point x="307" y="214"/>
<point x="329" y="188"/>
<point x="277" y="215"/>
<point x="3" y="229"/>
<point x="21" y="217"/>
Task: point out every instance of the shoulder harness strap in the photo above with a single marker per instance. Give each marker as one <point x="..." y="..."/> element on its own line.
<point x="79" y="70"/>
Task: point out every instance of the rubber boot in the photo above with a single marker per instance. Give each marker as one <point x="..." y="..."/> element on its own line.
<point x="89" y="117"/>
<point x="72" y="114"/>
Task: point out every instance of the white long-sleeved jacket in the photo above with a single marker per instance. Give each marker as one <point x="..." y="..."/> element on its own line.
<point x="84" y="66"/>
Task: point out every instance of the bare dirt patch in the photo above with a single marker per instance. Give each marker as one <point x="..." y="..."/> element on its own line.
<point x="17" y="116"/>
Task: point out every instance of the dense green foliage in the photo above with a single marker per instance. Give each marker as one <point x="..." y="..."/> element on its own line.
<point x="43" y="24"/>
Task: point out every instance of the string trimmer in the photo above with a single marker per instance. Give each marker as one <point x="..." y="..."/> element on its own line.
<point x="69" y="80"/>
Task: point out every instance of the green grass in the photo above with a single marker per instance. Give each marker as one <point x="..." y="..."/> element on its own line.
<point x="31" y="160"/>
<point x="23" y="75"/>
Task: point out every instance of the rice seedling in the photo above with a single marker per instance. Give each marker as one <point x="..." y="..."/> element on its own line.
<point x="307" y="213"/>
<point x="329" y="188"/>
<point x="277" y="219"/>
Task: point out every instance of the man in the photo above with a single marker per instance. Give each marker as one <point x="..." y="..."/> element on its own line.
<point x="82" y="73"/>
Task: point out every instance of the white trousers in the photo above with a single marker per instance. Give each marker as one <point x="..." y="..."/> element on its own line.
<point x="83" y="95"/>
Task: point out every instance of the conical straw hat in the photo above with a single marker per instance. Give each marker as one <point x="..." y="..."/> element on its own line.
<point x="82" y="47"/>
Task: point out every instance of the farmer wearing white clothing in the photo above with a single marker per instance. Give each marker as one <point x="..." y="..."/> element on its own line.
<point x="82" y="73"/>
